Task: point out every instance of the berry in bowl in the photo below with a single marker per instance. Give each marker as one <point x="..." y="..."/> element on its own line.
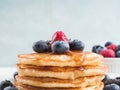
<point x="111" y="53"/>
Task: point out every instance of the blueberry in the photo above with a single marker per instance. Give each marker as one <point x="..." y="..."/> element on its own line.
<point x="40" y="46"/>
<point x="4" y="84"/>
<point x="48" y="42"/>
<point x="60" y="47"/>
<point x="110" y="81"/>
<point x="69" y="40"/>
<point x="118" y="48"/>
<point x="117" y="82"/>
<point x="76" y="45"/>
<point x="112" y="87"/>
<point x="106" y="78"/>
<point x="97" y="48"/>
<point x="15" y="74"/>
<point x="118" y="53"/>
<point x="117" y="77"/>
<point x="107" y="43"/>
<point x="10" y="88"/>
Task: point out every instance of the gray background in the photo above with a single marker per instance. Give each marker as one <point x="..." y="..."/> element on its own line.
<point x="23" y="22"/>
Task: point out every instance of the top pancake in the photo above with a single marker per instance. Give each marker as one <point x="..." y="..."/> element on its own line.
<point x="72" y="58"/>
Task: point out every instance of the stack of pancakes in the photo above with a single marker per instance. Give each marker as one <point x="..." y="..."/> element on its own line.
<point x="71" y="71"/>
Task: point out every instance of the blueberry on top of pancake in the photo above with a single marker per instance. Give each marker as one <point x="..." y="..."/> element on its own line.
<point x="59" y="44"/>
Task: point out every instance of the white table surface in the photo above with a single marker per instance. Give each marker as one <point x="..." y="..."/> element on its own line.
<point x="6" y="73"/>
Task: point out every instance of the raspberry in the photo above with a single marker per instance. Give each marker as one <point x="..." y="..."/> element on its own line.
<point x="107" y="53"/>
<point x="112" y="46"/>
<point x="59" y="36"/>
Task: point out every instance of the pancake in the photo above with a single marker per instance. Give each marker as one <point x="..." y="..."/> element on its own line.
<point x="60" y="72"/>
<point x="53" y="82"/>
<point x="71" y="58"/>
<point x="98" y="86"/>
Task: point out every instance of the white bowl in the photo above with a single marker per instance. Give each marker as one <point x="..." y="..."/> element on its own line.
<point x="113" y="65"/>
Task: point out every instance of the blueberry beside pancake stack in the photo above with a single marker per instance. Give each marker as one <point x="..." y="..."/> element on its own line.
<point x="60" y="64"/>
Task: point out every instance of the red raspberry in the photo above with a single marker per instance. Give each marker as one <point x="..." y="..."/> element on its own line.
<point x="108" y="53"/>
<point x="112" y="46"/>
<point x="59" y="36"/>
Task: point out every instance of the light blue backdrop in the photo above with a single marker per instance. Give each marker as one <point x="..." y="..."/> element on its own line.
<point x="23" y="22"/>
